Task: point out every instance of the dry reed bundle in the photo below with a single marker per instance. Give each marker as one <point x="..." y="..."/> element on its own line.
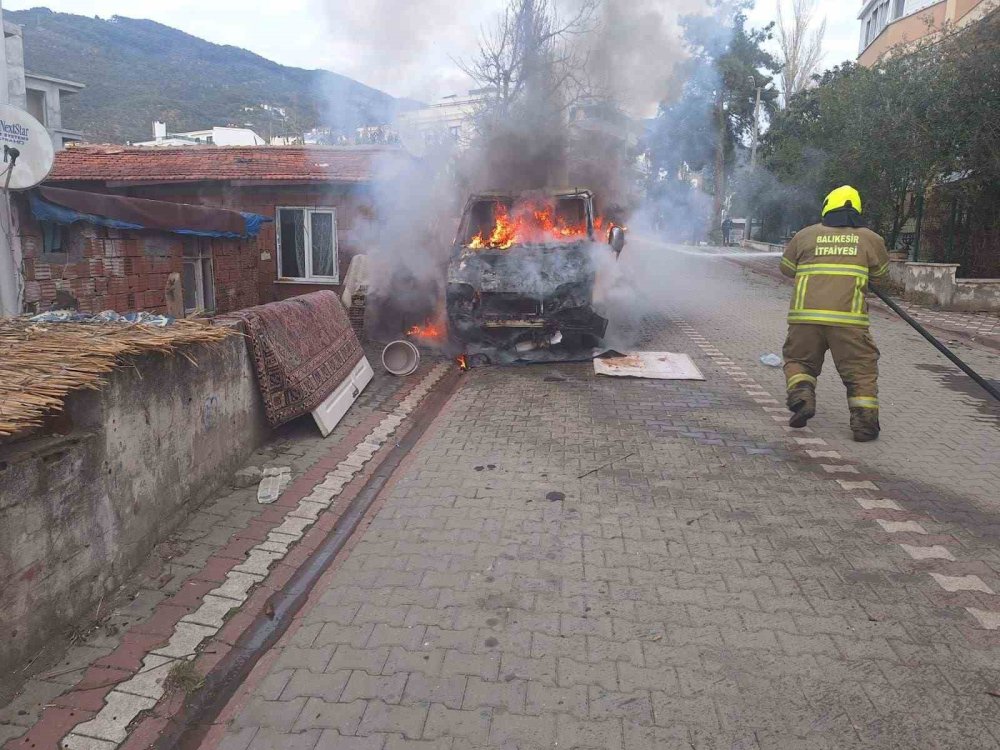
<point x="40" y="363"/>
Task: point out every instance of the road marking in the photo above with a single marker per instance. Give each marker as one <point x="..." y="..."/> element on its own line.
<point x="989" y="620"/>
<point x="961" y="583"/>
<point x="901" y="527"/>
<point x="935" y="552"/>
<point x="882" y="502"/>
<point x="986" y="619"/>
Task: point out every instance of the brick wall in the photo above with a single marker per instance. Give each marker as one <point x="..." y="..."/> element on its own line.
<point x="110" y="269"/>
<point x="353" y="205"/>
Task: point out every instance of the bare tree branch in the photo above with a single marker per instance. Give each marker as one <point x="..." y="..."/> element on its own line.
<point x="801" y="46"/>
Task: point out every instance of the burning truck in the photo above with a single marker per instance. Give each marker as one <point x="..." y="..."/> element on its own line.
<point x="522" y="274"/>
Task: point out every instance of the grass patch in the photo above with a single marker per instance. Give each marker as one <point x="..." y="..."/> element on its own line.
<point x="183" y="676"/>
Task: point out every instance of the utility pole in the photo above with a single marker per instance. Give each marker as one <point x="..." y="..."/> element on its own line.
<point x="10" y="264"/>
<point x="720" y="160"/>
<point x="748" y="229"/>
<point x="756" y="127"/>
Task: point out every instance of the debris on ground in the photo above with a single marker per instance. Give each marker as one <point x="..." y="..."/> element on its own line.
<point x="276" y="478"/>
<point x="247" y="477"/>
<point x="651" y="365"/>
<point x="771" y="360"/>
<point x="185" y="677"/>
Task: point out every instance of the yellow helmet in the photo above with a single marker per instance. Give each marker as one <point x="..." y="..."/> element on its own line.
<point x="841" y="198"/>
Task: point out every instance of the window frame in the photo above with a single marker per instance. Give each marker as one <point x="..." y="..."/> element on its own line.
<point x="310" y="278"/>
<point x="204" y="249"/>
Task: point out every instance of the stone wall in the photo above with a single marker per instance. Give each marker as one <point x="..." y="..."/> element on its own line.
<point x="81" y="509"/>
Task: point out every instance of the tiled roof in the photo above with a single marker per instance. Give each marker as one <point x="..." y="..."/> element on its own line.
<point x="353" y="164"/>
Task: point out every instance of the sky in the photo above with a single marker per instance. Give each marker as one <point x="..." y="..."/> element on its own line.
<point x="411" y="56"/>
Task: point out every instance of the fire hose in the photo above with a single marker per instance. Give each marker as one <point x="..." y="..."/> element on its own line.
<point x="986" y="385"/>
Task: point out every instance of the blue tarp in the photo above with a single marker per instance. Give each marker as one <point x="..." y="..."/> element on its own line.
<point x="44" y="210"/>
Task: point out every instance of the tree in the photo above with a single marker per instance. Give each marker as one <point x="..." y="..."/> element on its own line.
<point x="919" y="122"/>
<point x="697" y="139"/>
<point x="533" y="74"/>
<point x="527" y="54"/>
<point x="801" y="46"/>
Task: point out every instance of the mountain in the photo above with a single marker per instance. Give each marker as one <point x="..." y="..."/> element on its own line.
<point x="138" y="71"/>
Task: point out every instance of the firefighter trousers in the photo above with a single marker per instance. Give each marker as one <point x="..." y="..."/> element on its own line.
<point x="854" y="353"/>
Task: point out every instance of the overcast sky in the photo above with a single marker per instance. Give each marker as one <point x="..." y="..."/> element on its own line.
<point x="405" y="47"/>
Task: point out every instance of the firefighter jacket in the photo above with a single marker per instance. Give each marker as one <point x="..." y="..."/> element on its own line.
<point x="831" y="267"/>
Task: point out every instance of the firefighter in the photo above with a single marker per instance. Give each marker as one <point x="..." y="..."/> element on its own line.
<point x="832" y="264"/>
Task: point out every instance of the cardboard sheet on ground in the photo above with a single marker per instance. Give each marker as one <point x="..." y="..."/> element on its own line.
<point x="652" y="365"/>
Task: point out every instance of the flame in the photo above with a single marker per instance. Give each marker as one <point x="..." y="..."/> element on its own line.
<point x="531" y="222"/>
<point x="427" y="331"/>
<point x="463" y="363"/>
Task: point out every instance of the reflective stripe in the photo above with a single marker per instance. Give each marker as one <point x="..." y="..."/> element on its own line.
<point x="833" y="267"/>
<point x="881" y="270"/>
<point x="788" y="264"/>
<point x="831" y="272"/>
<point x="863" y="402"/>
<point x="859" y="296"/>
<point x="800" y="378"/>
<point x="800" y="292"/>
<point x="828" y="316"/>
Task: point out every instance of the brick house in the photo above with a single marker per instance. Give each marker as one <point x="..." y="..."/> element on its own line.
<point x="319" y="199"/>
<point x="96" y="252"/>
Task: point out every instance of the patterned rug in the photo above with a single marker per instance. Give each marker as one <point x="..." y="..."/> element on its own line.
<point x="302" y="349"/>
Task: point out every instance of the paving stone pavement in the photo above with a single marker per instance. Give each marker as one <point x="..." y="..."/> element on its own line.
<point x="73" y="676"/>
<point x="578" y="562"/>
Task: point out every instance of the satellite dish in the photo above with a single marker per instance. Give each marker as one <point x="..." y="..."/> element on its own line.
<point x="25" y="149"/>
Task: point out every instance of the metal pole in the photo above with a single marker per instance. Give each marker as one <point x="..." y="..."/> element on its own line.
<point x="986" y="385"/>
<point x="920" y="223"/>
<point x="748" y="229"/>
<point x="10" y="272"/>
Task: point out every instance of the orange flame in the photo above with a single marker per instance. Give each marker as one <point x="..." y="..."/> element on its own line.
<point x="427" y="331"/>
<point x="463" y="363"/>
<point x="531" y="222"/>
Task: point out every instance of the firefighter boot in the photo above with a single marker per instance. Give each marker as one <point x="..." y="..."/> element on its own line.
<point x="802" y="403"/>
<point x="864" y="424"/>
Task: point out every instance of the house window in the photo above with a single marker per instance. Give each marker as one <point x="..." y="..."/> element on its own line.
<point x="35" y="104"/>
<point x="307" y="245"/>
<point x="52" y="237"/>
<point x="198" y="281"/>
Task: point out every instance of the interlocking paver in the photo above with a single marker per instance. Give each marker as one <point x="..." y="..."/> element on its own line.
<point x="704" y="582"/>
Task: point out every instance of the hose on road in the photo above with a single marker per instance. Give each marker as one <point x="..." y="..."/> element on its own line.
<point x="986" y="385"/>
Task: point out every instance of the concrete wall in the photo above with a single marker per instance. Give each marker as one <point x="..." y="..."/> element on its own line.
<point x="903" y="31"/>
<point x="936" y="284"/>
<point x="80" y="512"/>
<point x="930" y="283"/>
<point x="14" y="46"/>
<point x="897" y="273"/>
<point x="976" y="295"/>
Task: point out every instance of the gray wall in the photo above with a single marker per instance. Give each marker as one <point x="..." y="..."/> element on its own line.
<point x="79" y="513"/>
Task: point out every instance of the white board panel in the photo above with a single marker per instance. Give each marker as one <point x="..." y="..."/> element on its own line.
<point x="653" y="365"/>
<point x="332" y="410"/>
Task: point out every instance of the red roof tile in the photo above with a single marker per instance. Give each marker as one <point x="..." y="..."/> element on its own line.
<point x="352" y="164"/>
